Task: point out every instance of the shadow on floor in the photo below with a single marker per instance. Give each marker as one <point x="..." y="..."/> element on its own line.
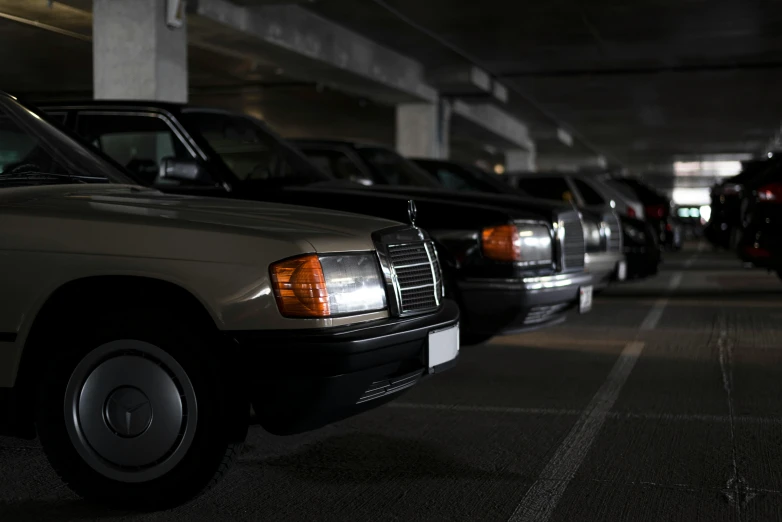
<point x="372" y="458"/>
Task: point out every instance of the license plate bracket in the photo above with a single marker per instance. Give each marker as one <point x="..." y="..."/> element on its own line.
<point x="621" y="271"/>
<point x="443" y="348"/>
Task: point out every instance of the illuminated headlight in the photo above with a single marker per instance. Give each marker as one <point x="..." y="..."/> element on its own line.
<point x="328" y="285"/>
<point x="353" y="283"/>
<point x="526" y="244"/>
<point x="595" y="236"/>
<point x="535" y="244"/>
<point x="591" y="233"/>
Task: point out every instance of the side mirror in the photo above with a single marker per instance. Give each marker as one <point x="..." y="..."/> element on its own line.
<point x="182" y="170"/>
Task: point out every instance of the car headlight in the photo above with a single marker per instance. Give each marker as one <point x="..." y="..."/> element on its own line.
<point x="328" y="285"/>
<point x="526" y="244"/>
<point x="591" y="233"/>
<point x="633" y="233"/>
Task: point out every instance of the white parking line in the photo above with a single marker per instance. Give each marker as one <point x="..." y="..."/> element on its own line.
<point x="542" y="498"/>
<point x="654" y="315"/>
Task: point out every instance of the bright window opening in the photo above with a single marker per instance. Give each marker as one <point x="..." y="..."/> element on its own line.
<point x="707" y="168"/>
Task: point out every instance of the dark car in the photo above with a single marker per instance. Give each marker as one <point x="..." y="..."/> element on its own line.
<point x="761" y="240"/>
<point x="606" y="265"/>
<point x="391" y="172"/>
<point x="657" y="211"/>
<point x="509" y="269"/>
<point x="639" y="243"/>
<point x="729" y="200"/>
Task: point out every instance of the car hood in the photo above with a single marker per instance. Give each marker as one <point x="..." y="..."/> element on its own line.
<point x="434" y="212"/>
<point x="325" y="230"/>
<point x="550" y="209"/>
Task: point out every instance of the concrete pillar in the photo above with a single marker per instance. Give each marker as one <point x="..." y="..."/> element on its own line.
<point x="422" y="129"/>
<point x="136" y="54"/>
<point x="520" y="160"/>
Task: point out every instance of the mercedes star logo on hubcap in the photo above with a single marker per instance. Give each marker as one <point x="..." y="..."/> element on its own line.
<point x="128" y="411"/>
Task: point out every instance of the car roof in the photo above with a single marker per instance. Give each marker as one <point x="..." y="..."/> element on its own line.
<point x="114" y="103"/>
<point x="333" y="142"/>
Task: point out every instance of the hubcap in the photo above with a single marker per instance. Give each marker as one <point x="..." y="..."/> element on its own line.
<point x="130" y="411"/>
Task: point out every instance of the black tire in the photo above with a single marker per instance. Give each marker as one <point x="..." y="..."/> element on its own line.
<point x="779" y="273"/>
<point x="216" y="434"/>
<point x="471" y="338"/>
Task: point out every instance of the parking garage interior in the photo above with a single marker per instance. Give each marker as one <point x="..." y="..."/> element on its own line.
<point x="658" y="403"/>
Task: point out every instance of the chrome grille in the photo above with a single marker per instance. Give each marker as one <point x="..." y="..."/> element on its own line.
<point x="572" y="245"/>
<point x="418" y="277"/>
<point x="615" y="241"/>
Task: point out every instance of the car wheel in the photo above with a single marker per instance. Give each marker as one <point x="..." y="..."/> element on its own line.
<point x="136" y="414"/>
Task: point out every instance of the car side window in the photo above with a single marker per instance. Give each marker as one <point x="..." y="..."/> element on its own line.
<point x="546" y="187"/>
<point x="452" y="181"/>
<point x="137" y="142"/>
<point x="590" y="195"/>
<point x="338" y="164"/>
<point x="58" y="117"/>
<point x="322" y="161"/>
<point x="21" y="153"/>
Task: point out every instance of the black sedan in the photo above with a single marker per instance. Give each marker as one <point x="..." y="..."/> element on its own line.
<point x="761" y="240"/>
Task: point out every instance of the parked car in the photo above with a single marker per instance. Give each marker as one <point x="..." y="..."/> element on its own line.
<point x="657" y="210"/>
<point x="641" y="247"/>
<point x="581" y="192"/>
<point x="641" y="261"/>
<point x="508" y="268"/>
<point x="138" y="327"/>
<point x="761" y="240"/>
<point x="729" y="200"/>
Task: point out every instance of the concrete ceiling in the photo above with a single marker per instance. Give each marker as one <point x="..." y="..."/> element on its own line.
<point x="642" y="81"/>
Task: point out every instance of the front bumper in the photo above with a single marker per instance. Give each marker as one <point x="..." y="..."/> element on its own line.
<point x="602" y="266"/>
<point x="300" y="380"/>
<point x="506" y="306"/>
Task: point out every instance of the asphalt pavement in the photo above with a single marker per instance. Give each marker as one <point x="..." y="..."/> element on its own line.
<point x="663" y="403"/>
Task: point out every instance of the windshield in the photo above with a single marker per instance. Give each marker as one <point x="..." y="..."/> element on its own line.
<point x="252" y="152"/>
<point x="33" y="151"/>
<point x="459" y="177"/>
<point x="392" y="169"/>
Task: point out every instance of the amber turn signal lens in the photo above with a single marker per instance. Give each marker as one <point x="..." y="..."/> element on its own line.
<point x="300" y="287"/>
<point x="501" y="243"/>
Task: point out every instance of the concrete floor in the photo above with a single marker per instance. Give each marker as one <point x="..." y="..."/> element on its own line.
<point x="663" y="403"/>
